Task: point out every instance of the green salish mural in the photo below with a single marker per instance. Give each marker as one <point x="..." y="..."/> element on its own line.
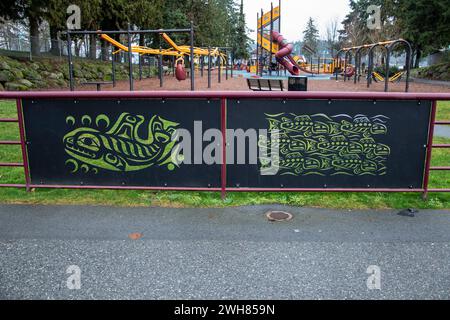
<point x="326" y="145"/>
<point x="119" y="146"/>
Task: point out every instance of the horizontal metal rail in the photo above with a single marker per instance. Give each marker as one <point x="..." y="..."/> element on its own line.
<point x="11" y="164"/>
<point x="442" y="122"/>
<point x="10" y="143"/>
<point x="441" y="146"/>
<point x="439" y="190"/>
<point x="440" y="168"/>
<point x="75" y="32"/>
<point x="8" y="120"/>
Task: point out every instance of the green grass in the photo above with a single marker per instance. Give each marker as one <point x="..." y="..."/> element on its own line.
<point x="441" y="157"/>
<point x="443" y="111"/>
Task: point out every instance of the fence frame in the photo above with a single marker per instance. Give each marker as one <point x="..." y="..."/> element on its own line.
<point x="223" y="96"/>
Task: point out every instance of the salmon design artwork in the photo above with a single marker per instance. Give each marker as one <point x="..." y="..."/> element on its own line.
<point x="327" y="145"/>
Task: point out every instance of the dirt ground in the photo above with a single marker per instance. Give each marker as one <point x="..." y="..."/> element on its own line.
<point x="239" y="83"/>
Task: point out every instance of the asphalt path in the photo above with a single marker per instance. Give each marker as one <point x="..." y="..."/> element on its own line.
<point x="154" y="253"/>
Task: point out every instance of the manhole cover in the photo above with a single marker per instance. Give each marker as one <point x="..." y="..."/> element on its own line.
<point x="278" y="216"/>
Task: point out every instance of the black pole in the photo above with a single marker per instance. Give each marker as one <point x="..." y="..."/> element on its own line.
<point x="279" y="16"/>
<point x="357" y="67"/>
<point x="262" y="37"/>
<point x="232" y="62"/>
<point x="69" y="55"/>
<point x="202" y="65"/>
<point x="226" y="64"/>
<point x="140" y="67"/>
<point x="408" y="63"/>
<point x="209" y="67"/>
<point x="130" y="59"/>
<point x="174" y="67"/>
<point x="318" y="64"/>
<point x="113" y="68"/>
<point x="160" y="66"/>
<point x="257" y="44"/>
<point x="369" y="69"/>
<point x="345" y="65"/>
<point x="271" y="41"/>
<point x="219" y="69"/>
<point x="149" y="59"/>
<point x="192" y="58"/>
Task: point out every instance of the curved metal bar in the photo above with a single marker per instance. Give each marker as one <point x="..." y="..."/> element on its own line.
<point x="358" y="62"/>
<point x="408" y="50"/>
<point x="347" y="54"/>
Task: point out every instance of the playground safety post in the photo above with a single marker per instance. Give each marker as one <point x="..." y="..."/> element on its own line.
<point x="226" y="64"/>
<point x="130" y="59"/>
<point x="209" y="67"/>
<point x="113" y="67"/>
<point x="219" y="68"/>
<point x="386" y="76"/>
<point x="232" y="62"/>
<point x="257" y="45"/>
<point x="202" y="65"/>
<point x="192" y="57"/>
<point x="140" y="67"/>
<point x="271" y="40"/>
<point x="262" y="37"/>
<point x="160" y="68"/>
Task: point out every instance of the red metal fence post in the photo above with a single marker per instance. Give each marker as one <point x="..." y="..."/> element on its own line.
<point x="23" y="144"/>
<point x="426" y="180"/>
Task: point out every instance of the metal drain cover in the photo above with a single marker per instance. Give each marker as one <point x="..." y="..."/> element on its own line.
<point x="279" y="216"/>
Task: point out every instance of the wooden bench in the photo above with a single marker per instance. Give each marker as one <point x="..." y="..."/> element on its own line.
<point x="97" y="83"/>
<point x="265" y="84"/>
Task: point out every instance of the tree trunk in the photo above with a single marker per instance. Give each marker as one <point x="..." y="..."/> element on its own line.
<point x="92" y="46"/>
<point x="34" y="36"/>
<point x="418" y="57"/>
<point x="77" y="47"/>
<point x="104" y="51"/>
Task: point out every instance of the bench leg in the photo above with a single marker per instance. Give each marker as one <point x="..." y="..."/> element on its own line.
<point x="99" y="87"/>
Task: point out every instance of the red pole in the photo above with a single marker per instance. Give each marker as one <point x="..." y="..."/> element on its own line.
<point x="223" y="118"/>
<point x="23" y="144"/>
<point x="429" y="150"/>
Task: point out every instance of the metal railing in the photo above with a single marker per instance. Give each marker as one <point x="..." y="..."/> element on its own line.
<point x="224" y="97"/>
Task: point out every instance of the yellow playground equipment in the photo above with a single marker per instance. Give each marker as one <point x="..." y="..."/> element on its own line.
<point x="175" y="50"/>
<point x="325" y="65"/>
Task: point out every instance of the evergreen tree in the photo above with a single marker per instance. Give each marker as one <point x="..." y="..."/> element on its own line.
<point x="310" y="36"/>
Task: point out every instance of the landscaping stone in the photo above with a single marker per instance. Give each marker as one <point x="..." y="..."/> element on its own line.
<point x="25" y="82"/>
<point x="13" y="86"/>
<point x="6" y="76"/>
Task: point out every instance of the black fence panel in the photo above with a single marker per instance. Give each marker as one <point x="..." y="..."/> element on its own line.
<point x="110" y="142"/>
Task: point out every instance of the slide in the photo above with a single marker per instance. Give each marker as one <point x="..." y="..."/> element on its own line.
<point x="284" y="57"/>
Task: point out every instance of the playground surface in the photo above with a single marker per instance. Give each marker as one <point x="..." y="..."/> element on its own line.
<point x="230" y="253"/>
<point x="239" y="83"/>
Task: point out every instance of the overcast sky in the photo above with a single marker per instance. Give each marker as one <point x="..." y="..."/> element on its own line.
<point x="295" y="14"/>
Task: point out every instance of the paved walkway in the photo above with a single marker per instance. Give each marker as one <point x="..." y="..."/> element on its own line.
<point x="221" y="253"/>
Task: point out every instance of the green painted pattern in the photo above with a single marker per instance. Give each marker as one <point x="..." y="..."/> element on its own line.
<point x="326" y="145"/>
<point x="119" y="146"/>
